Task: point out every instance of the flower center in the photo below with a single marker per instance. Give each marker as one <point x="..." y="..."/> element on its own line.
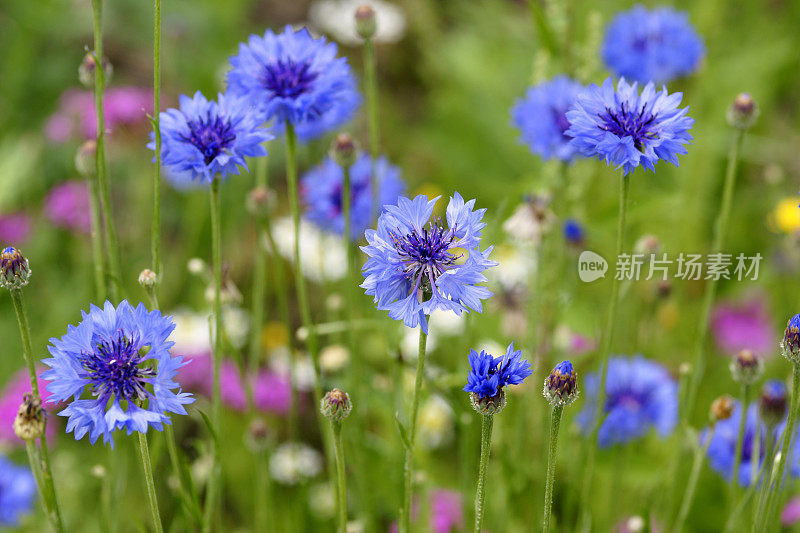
<point x="625" y="122"/>
<point x="560" y="118"/>
<point x="115" y="371"/>
<point x="287" y="78"/>
<point x="211" y="136"/>
<point x="426" y="255"/>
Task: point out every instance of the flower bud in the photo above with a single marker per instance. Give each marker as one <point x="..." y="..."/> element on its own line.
<point x="29" y="423"/>
<point x="772" y="404"/>
<point x="148" y="279"/>
<point x="742" y="114"/>
<point x="14" y="269"/>
<point x="86" y="70"/>
<point x="647" y="245"/>
<point x="336" y="405"/>
<point x="721" y="408"/>
<point x="365" y="21"/>
<point x="790" y="345"/>
<point x="488" y="405"/>
<point x="260" y="202"/>
<point x="561" y="386"/>
<point x="573" y="232"/>
<point x="258" y="435"/>
<point x="344" y="150"/>
<point x="85" y="158"/>
<point x="746" y="367"/>
<point x="664" y="288"/>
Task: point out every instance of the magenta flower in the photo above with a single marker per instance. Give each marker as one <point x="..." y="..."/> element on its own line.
<point x="743" y="326"/>
<point x="15" y="228"/>
<point x="446" y="511"/>
<point x="67" y="206"/>
<point x="791" y="512"/>
<point x="10" y="399"/>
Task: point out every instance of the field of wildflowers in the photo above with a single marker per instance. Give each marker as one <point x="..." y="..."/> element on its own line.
<point x="372" y="265"/>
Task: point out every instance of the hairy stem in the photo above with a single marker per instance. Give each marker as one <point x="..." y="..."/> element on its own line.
<point x="152" y="497"/>
<point x="555" y="424"/>
<point x="408" y="467"/>
<point x="487" y="421"/>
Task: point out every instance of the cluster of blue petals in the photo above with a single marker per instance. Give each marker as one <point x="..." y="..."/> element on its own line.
<point x="293" y="77"/>
<point x="640" y="395"/>
<point x="115" y="371"/>
<point x="321" y="188"/>
<point x="17" y="492"/>
<point x="626" y="129"/>
<point x="417" y="264"/>
<point x="655" y="45"/>
<point x="488" y="374"/>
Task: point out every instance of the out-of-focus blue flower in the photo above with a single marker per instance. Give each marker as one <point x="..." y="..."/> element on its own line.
<point x="722" y="448"/>
<point x="655" y="45"/>
<point x="321" y="188"/>
<point x="773" y="403"/>
<point x="640" y="396"/>
<point x="417" y="265"/>
<point x="488" y="374"/>
<point x="573" y="231"/>
<point x="17" y="492"/>
<point x="205" y="138"/>
<point x="627" y="129"/>
<point x="118" y="360"/>
<point x="293" y="77"/>
<point x="541" y="117"/>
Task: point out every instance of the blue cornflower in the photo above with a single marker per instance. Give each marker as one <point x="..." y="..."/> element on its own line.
<point x="626" y="128"/>
<point x="488" y="374"/>
<point x="119" y="360"/>
<point x="573" y="231"/>
<point x="561" y="386"/>
<point x="541" y="117"/>
<point x="414" y="269"/>
<point x="17" y="492"/>
<point x="640" y="395"/>
<point x="722" y="448"/>
<point x="293" y="77"/>
<point x="321" y="188"/>
<point x="656" y="45"/>
<point x="790" y="345"/>
<point x="205" y="138"/>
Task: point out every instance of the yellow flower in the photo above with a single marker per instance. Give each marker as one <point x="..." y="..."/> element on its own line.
<point x="786" y="216"/>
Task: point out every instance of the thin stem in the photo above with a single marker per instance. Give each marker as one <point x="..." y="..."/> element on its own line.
<point x="156" y="244"/>
<point x="97" y="240"/>
<point x="555" y="424"/>
<point x="144" y="453"/>
<point x="259" y="282"/>
<point x="608" y="335"/>
<point x="214" y="481"/>
<point x="737" y="458"/>
<point x="371" y="90"/>
<point x="720" y="232"/>
<point x="691" y="486"/>
<point x="766" y="479"/>
<point x="341" y="480"/>
<point x="48" y="489"/>
<point x="487" y="421"/>
<point x="408" y="467"/>
<point x="112" y="245"/>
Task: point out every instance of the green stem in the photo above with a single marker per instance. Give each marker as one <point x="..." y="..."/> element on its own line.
<point x="156" y="244"/>
<point x="371" y="90"/>
<point x="487" y="421"/>
<point x="408" y="467"/>
<point x="340" y="475"/>
<point x="720" y="232"/>
<point x="691" y="486"/>
<point x="48" y="489"/>
<point x="555" y="424"/>
<point x="608" y="335"/>
<point x="97" y="242"/>
<point x="737" y="458"/>
<point x="766" y="479"/>
<point x="259" y="284"/>
<point x="214" y="481"/>
<point x="788" y="433"/>
<point x="152" y="497"/>
<point x="112" y="245"/>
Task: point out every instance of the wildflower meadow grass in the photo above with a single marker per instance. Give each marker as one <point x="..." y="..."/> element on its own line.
<point x="408" y="265"/>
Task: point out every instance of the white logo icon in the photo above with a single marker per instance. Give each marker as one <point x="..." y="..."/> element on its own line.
<point x="591" y="266"/>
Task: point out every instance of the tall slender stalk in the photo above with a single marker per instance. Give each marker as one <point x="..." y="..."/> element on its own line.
<point x="152" y="497"/>
<point x="110" y="233"/>
<point x="737" y="459"/>
<point x="720" y="232"/>
<point x="691" y="486"/>
<point x="97" y="240"/>
<point x="371" y="90"/>
<point x="408" y="467"/>
<point x="487" y="421"/>
<point x="259" y="281"/>
<point x="766" y="479"/>
<point x="555" y="424"/>
<point x="156" y="236"/>
<point x="608" y="335"/>
<point x="341" y="480"/>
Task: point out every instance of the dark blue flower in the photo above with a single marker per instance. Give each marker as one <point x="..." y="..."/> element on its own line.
<point x="722" y="448"/>
<point x="488" y="374"/>
<point x="656" y="45"/>
<point x="117" y="369"/>
<point x="573" y="231"/>
<point x="773" y="402"/>
<point x="204" y="139"/>
<point x="541" y="117"/>
<point x="627" y="129"/>
<point x="321" y="188"/>
<point x="293" y="77"/>
<point x="17" y="492"/>
<point x="417" y="265"/>
<point x="640" y="396"/>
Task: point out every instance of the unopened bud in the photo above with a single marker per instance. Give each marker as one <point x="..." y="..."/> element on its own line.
<point x="742" y="114"/>
<point x="746" y="367"/>
<point x="561" y="386"/>
<point x="336" y="405"/>
<point x="148" y="279"/>
<point x="344" y="150"/>
<point x="85" y="158"/>
<point x="258" y="435"/>
<point x="790" y="345"/>
<point x="260" y="202"/>
<point x="87" y="68"/>
<point x="647" y="245"/>
<point x="29" y="423"/>
<point x="721" y="408"/>
<point x="14" y="269"/>
<point x="365" y="21"/>
<point x="664" y="288"/>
